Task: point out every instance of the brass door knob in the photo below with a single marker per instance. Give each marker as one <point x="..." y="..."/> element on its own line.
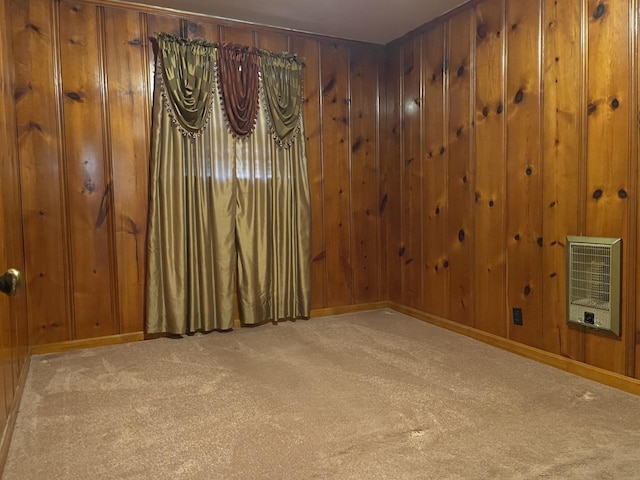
<point x="10" y="281"/>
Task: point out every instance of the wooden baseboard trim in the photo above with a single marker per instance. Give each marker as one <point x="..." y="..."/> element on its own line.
<point x="360" y="307"/>
<point x="7" y="435"/>
<point x="612" y="379"/>
<point x="87" y="343"/>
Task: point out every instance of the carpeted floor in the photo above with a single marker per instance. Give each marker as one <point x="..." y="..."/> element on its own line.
<point x="374" y="395"/>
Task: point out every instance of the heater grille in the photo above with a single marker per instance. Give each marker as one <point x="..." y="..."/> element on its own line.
<point x="593" y="282"/>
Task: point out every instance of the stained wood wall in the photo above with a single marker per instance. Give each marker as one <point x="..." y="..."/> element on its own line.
<point x="83" y="100"/>
<point x="507" y="126"/>
<point x="13" y="332"/>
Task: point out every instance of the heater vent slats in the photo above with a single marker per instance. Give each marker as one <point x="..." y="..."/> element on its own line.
<point x="593" y="282"/>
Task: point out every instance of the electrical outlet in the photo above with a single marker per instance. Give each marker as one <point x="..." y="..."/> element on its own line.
<point x="517" y="316"/>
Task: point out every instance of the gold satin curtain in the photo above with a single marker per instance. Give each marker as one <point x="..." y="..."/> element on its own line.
<point x="225" y="210"/>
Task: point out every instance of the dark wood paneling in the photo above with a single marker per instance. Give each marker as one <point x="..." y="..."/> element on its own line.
<point x="435" y="173"/>
<point x="393" y="197"/>
<point x="564" y="113"/>
<point x="240" y="35"/>
<point x="273" y="41"/>
<point x="42" y="175"/>
<point x="337" y="172"/>
<point x="490" y="274"/>
<point x="13" y="314"/>
<point x="86" y="228"/>
<point x="461" y="181"/>
<point x="364" y="174"/>
<point x="88" y="183"/>
<point x="554" y="153"/>
<point x="608" y="183"/>
<point x="524" y="173"/>
<point x="129" y="146"/>
<point x="412" y="224"/>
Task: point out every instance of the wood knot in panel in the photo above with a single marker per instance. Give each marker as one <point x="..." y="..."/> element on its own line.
<point x="482" y="30"/>
<point x="540" y="241"/>
<point x="526" y="290"/>
<point x="75" y="96"/>
<point x="599" y="11"/>
<point x="519" y="96"/>
<point x="597" y="194"/>
<point x="591" y="108"/>
<point x="622" y="193"/>
<point x="401" y="251"/>
<point x="615" y="103"/>
<point x="500" y="109"/>
<point x="460" y="71"/>
<point x="516" y="237"/>
<point x="461" y="235"/>
<point x="485" y="112"/>
<point x="529" y="171"/>
<point x="383" y="203"/>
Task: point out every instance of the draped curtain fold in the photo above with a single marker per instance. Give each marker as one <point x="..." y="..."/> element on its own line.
<point x="224" y="203"/>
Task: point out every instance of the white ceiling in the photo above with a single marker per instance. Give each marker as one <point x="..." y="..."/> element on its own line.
<point x="376" y="21"/>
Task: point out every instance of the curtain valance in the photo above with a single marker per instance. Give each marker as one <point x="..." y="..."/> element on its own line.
<point x="245" y="77"/>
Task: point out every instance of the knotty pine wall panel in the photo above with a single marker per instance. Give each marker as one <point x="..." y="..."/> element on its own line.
<point x="393" y="194"/>
<point x="14" y="350"/>
<point x="412" y="176"/>
<point x="554" y="153"/>
<point x="89" y="188"/>
<point x="85" y="87"/>
<point x="128" y="108"/>
<point x="435" y="155"/>
<point x="42" y="174"/>
<point x="334" y="64"/>
<point x="562" y="171"/>
<point x="523" y="182"/>
<point x="364" y="173"/>
<point x="490" y="138"/>
<point x="608" y="162"/>
<point x="460" y="128"/>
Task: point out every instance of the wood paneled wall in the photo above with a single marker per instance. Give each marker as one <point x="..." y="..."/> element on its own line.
<point x="84" y="83"/>
<point x="14" y="351"/>
<point x="507" y="126"/>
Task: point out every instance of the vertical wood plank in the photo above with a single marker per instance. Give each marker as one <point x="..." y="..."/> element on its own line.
<point x="88" y="184"/>
<point x="272" y="41"/>
<point x="608" y="139"/>
<point x="364" y="174"/>
<point x="130" y="133"/>
<point x="412" y="102"/>
<point x="490" y="275"/>
<point x="561" y="169"/>
<point x="309" y="49"/>
<point x="435" y="213"/>
<point x="239" y="35"/>
<point x="203" y="29"/>
<point x="383" y="178"/>
<point x="524" y="173"/>
<point x="41" y="175"/>
<point x="461" y="181"/>
<point x="10" y="222"/>
<point x="393" y="196"/>
<point x="337" y="171"/>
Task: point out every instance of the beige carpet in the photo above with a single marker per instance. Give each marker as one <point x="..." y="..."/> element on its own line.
<point x="375" y="395"/>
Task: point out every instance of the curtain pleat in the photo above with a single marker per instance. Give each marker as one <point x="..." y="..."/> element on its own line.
<point x="282" y="82"/>
<point x="273" y="227"/>
<point x="188" y="72"/>
<point x="191" y="237"/>
<point x="238" y="75"/>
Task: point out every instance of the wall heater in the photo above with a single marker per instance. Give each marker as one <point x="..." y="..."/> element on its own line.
<point x="593" y="282"/>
